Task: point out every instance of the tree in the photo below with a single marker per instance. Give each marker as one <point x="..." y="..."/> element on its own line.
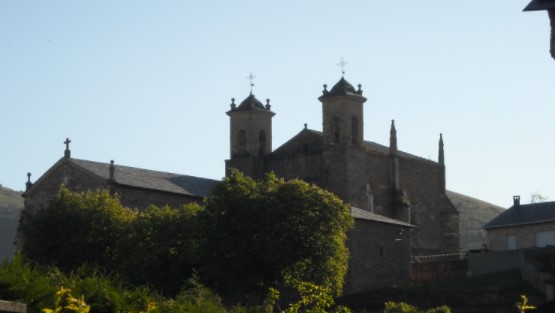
<point x="537" y="197"/>
<point x="159" y="247"/>
<point x="163" y="248"/>
<point x="77" y="229"/>
<point x="261" y="234"/>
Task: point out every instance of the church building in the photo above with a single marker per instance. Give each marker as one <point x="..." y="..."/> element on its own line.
<point x="364" y="174"/>
<point x="398" y="200"/>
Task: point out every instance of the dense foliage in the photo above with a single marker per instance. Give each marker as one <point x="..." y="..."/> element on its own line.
<point x="162" y="248"/>
<point x="271" y="232"/>
<point x="45" y="287"/>
<point x="401" y="307"/>
<point x="158" y="247"/>
<point x="251" y="236"/>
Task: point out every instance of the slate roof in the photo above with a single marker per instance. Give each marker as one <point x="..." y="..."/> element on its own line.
<point x="342" y="88"/>
<point x="147" y="179"/>
<point x="250" y="103"/>
<point x="523" y="214"/>
<point x="369" y="216"/>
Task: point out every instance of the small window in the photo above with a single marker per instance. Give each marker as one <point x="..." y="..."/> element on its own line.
<point x="242" y="141"/>
<point x="545" y="238"/>
<point x="511" y="242"/>
<point x="261" y="143"/>
<point x="381" y="251"/>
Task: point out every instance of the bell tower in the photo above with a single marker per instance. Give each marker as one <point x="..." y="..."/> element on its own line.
<point x="342" y="113"/>
<point x="250" y="135"/>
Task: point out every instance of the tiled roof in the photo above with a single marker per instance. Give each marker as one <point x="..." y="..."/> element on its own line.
<point x="369" y="216"/>
<point x="523" y="214"/>
<point x="154" y="180"/>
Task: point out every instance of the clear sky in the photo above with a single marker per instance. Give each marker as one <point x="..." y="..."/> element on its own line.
<point x="147" y="83"/>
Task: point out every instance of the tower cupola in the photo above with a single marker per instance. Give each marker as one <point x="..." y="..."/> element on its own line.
<point x="342" y="114"/>
<point x="250" y="127"/>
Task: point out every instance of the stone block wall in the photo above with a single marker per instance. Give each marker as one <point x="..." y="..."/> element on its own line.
<point x="377" y="260"/>
<point x="73" y="177"/>
<point x="308" y="167"/>
<point x="431" y="211"/>
<point x="346" y="171"/>
<point x="525" y="235"/>
<point x="12" y="307"/>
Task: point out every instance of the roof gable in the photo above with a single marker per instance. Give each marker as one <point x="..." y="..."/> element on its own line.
<point x="307" y="141"/>
<point x="312" y="141"/>
<point x="523" y="214"/>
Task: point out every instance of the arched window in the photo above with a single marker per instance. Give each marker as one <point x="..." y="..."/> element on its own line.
<point x="261" y="143"/>
<point x="242" y="142"/>
<point x="335" y="129"/>
<point x="354" y="130"/>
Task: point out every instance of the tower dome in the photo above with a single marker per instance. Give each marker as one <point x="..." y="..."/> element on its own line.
<point x="343" y="114"/>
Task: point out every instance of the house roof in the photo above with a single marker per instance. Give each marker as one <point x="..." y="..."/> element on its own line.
<point x="370" y="216"/>
<point x="154" y="180"/>
<point x="523" y="214"/>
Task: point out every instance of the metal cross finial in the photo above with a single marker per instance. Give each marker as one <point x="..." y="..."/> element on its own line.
<point x="342" y="64"/>
<point x="67" y="153"/>
<point x="251" y="79"/>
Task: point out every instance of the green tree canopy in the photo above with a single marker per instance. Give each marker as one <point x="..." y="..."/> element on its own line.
<point x="159" y="247"/>
<point x="165" y="247"/>
<point x="261" y="234"/>
<point x="77" y="229"/>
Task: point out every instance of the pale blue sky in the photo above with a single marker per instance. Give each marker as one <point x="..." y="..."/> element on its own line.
<point x="147" y="83"/>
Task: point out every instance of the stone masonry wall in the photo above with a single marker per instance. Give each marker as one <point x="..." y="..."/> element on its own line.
<point x="65" y="173"/>
<point x="431" y="211"/>
<point x="377" y="260"/>
<point x="368" y="168"/>
<point x="79" y="180"/>
<point x="308" y="167"/>
<point x="347" y="170"/>
<point x="525" y="235"/>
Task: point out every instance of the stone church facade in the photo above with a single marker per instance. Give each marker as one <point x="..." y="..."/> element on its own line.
<point x="398" y="200"/>
<point x="369" y="176"/>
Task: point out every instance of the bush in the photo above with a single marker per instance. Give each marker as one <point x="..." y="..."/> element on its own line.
<point x="401" y="307"/>
<point x="76" y="229"/>
<point x="261" y="232"/>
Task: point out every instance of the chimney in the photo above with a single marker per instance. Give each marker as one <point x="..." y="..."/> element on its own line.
<point x="516" y="200"/>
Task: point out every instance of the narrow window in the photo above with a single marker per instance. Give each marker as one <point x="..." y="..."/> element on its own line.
<point x="335" y="128"/>
<point x="511" y="242"/>
<point x="381" y="251"/>
<point x="261" y="143"/>
<point x="354" y="130"/>
<point x="242" y="141"/>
